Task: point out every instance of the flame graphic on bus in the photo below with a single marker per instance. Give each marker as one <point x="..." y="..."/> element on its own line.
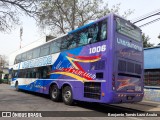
<point x="126" y="82"/>
<point x="77" y="71"/>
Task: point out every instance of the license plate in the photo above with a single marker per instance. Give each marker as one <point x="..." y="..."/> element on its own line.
<point x="129" y="97"/>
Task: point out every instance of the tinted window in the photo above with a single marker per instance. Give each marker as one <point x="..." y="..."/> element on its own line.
<point x="83" y="37"/>
<point x="40" y="72"/>
<point x="64" y="44"/>
<point x="14" y="74"/>
<point x="93" y="33"/>
<point x="103" y="32"/>
<point x="18" y="59"/>
<point x="36" y="53"/>
<point x="55" y="46"/>
<point x="24" y="57"/>
<point x="44" y="50"/>
<point x="29" y="55"/>
<point x="72" y="41"/>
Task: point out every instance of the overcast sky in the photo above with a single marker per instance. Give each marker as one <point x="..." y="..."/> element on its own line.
<point x="11" y="42"/>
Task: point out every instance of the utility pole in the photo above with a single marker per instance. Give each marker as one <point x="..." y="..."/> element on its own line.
<point x="21" y="33"/>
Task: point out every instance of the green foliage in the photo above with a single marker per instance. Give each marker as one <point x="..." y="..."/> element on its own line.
<point x="62" y="16"/>
<point x="146" y="42"/>
<point x="3" y="61"/>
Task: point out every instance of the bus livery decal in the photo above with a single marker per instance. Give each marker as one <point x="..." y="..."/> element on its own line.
<point x="75" y="70"/>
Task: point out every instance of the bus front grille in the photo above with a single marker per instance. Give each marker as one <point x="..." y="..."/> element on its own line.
<point x="92" y="90"/>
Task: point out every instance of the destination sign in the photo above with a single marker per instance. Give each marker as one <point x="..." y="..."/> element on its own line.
<point x="126" y="28"/>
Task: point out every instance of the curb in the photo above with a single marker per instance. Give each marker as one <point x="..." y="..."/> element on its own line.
<point x="149" y="103"/>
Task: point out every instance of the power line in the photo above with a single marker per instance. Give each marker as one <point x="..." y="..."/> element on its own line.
<point x="156" y="12"/>
<point x="149" y="22"/>
<point x="146" y="15"/>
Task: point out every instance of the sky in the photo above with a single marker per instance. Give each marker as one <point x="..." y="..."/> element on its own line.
<point x="11" y="42"/>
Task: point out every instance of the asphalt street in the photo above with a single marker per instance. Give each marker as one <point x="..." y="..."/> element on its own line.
<point x="11" y="100"/>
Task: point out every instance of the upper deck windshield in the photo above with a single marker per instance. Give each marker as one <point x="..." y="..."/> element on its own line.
<point x="128" y="29"/>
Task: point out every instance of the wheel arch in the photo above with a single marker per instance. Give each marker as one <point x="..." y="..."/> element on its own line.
<point x="53" y="83"/>
<point x="67" y="84"/>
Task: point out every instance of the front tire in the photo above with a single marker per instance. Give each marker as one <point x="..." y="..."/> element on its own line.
<point x="55" y="93"/>
<point x="16" y="86"/>
<point x="67" y="95"/>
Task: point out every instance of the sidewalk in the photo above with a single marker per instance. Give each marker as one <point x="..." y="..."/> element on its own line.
<point x="146" y="106"/>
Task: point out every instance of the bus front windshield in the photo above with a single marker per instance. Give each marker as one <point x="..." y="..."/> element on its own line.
<point x="128" y="29"/>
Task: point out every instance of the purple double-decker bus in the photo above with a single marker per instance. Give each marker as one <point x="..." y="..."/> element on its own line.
<point x="98" y="62"/>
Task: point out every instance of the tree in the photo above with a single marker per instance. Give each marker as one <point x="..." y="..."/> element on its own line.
<point x="3" y="61"/>
<point x="10" y="10"/>
<point x="146" y="41"/>
<point x="62" y="16"/>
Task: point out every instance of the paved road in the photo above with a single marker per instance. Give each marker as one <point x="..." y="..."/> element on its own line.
<point x="11" y="100"/>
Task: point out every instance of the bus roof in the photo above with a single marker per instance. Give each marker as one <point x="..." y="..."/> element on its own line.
<point x="89" y="24"/>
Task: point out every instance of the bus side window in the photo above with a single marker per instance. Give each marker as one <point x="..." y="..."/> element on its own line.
<point x="29" y="55"/>
<point x="18" y="59"/>
<point x="71" y="42"/>
<point x="13" y="74"/>
<point x="24" y="57"/>
<point x="23" y="74"/>
<point x="37" y="74"/>
<point x="44" y="75"/>
<point x="83" y="38"/>
<point x="45" y="71"/>
<point x="20" y="74"/>
<point x="36" y="52"/>
<point x="93" y="33"/>
<point x="76" y="39"/>
<point x="49" y="69"/>
<point x="45" y="50"/>
<point x="103" y="33"/>
<point x="16" y="74"/>
<point x="34" y="73"/>
<point x="55" y="47"/>
<point x="64" y="44"/>
<point x="27" y="75"/>
<point x="30" y="74"/>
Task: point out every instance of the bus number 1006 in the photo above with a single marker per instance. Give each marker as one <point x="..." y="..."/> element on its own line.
<point x="97" y="49"/>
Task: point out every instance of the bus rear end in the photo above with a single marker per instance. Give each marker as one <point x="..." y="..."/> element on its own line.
<point x="127" y="74"/>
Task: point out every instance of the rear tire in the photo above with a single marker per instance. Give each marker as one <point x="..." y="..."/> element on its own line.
<point x="67" y="95"/>
<point x="55" y="93"/>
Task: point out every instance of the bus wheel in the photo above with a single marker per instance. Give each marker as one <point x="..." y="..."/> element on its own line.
<point x="67" y="95"/>
<point x="16" y="86"/>
<point x="54" y="93"/>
